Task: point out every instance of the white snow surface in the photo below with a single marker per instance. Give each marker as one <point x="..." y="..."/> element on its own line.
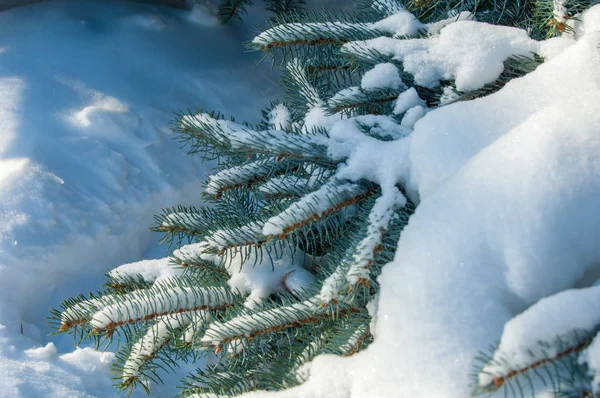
<point x="87" y="93"/>
<point x="470" y="127"/>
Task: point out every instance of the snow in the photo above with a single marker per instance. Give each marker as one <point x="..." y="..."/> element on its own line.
<point x="254" y="324"/>
<point x="298" y="280"/>
<point x="449" y="95"/>
<point x="235" y="176"/>
<point x="358" y="269"/>
<point x="471" y="53"/>
<point x="87" y="93"/>
<point x="42" y="353"/>
<point x="556" y="320"/>
<point x="591" y="357"/>
<point x="255" y="272"/>
<point x="560" y="11"/>
<point x="379" y="219"/>
<point x="464" y="131"/>
<point x="89" y="360"/>
<point x="412" y="116"/>
<point x="153" y="340"/>
<point x="401" y="23"/>
<point x="508" y="188"/>
<point x="227" y="132"/>
<point x="344" y="95"/>
<point x="313" y="206"/>
<point x="379" y="161"/>
<point x="264" y="274"/>
<point x="382" y="76"/>
<point x="149" y="270"/>
<point x="280" y="117"/>
<point x="381" y="126"/>
<point x="590" y="21"/>
<point x="406" y="100"/>
<point x="148" y="304"/>
<point x="435" y="27"/>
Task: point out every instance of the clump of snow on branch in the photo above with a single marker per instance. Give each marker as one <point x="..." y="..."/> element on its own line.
<point x="401" y="23"/>
<point x="471" y="53"/>
<point x="591" y="357"/>
<point x="412" y="116"/>
<point x="560" y="11"/>
<point x="382" y="76"/>
<point x="545" y="330"/>
<point x="407" y="100"/>
<point x="379" y="219"/>
<point x="280" y="117"/>
<point x="313" y="206"/>
<point x="148" y="270"/>
<point x="383" y="162"/>
<point x="259" y="275"/>
<point x="152" y="341"/>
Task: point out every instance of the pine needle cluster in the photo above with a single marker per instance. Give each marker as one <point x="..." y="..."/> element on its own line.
<point x="231" y="10"/>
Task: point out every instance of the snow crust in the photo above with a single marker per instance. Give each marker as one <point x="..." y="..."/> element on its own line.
<point x="87" y="92"/>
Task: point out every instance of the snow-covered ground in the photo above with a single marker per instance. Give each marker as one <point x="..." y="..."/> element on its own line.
<point x="87" y="92"/>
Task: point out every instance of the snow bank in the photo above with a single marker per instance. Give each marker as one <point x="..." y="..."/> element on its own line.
<point x="87" y="91"/>
<point x="508" y="188"/>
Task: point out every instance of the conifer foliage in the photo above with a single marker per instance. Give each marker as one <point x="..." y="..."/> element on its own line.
<point x="229" y="10"/>
<point x="280" y="263"/>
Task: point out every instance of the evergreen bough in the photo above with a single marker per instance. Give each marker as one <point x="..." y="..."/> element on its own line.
<point x="230" y="10"/>
<point x="277" y="199"/>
